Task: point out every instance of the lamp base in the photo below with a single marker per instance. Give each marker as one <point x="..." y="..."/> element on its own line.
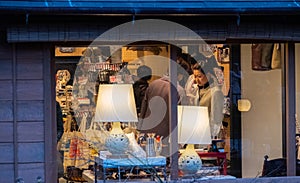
<point x="189" y="162"/>
<point x="117" y="142"/>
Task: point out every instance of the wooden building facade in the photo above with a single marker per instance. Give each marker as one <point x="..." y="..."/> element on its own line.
<point x="30" y="30"/>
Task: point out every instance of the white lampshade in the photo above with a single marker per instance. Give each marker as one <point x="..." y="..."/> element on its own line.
<point x="115" y="103"/>
<point x="193" y="125"/>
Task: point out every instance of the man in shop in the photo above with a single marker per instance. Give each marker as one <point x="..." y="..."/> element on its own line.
<point x="144" y="73"/>
<point x="154" y="116"/>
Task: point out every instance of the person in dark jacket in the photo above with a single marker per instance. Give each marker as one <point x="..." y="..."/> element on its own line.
<point x="154" y="116"/>
<point x="144" y="73"/>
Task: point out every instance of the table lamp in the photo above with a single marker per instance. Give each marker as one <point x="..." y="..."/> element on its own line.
<point x="115" y="103"/>
<point x="193" y="128"/>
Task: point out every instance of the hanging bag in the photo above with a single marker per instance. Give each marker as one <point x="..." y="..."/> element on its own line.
<point x="256" y="56"/>
<point x="96" y="135"/>
<point x="82" y="155"/>
<point x="276" y="56"/>
<point x="70" y="149"/>
<point x="261" y="56"/>
<point x="266" y="55"/>
<point x="78" y="154"/>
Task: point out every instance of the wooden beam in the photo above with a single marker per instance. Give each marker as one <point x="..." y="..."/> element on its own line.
<point x="290" y="104"/>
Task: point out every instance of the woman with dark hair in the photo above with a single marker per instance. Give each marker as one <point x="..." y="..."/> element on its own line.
<point x="205" y="89"/>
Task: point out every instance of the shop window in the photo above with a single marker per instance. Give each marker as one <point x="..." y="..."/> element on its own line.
<point x="252" y="113"/>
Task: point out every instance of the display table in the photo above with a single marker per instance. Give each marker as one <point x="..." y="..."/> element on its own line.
<point x="89" y="176"/>
<point x="129" y="163"/>
<point x="220" y="157"/>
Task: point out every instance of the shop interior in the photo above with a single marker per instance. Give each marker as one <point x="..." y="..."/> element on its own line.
<point x="80" y="70"/>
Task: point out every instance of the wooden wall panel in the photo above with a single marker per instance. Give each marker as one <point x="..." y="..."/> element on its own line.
<point x="31" y="152"/>
<point x="7" y="173"/>
<point x="29" y="70"/>
<point x="29" y="51"/>
<point x="7" y="152"/>
<point x="33" y="59"/>
<point x="6" y="90"/>
<point x="30" y="172"/>
<point x="6" y="111"/>
<point x="5" y="50"/>
<point x="6" y="71"/>
<point x="30" y="110"/>
<point x="30" y="90"/>
<point x="30" y="131"/>
<point x="29" y="61"/>
<point x="28" y="113"/>
<point x="6" y="132"/>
